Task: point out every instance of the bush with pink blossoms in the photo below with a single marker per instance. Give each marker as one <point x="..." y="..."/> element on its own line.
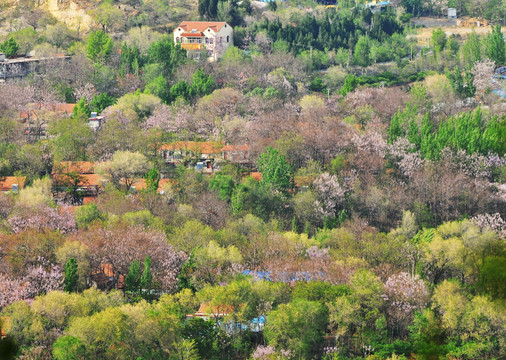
<point x="43" y="217"/>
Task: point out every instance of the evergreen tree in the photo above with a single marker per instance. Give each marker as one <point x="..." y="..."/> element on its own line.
<point x="132" y="280"/>
<point x="152" y="180"/>
<point x="9" y="47"/>
<point x="495" y="46"/>
<point x="276" y="172"/>
<point x="146" y="277"/>
<point x="98" y="46"/>
<point x="81" y="110"/>
<point x="71" y="275"/>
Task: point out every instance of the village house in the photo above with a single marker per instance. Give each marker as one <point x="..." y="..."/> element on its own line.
<point x="204" y="156"/>
<point x="76" y="182"/>
<point x="11" y="183"/>
<point x="198" y="155"/>
<point x="203" y="39"/>
<point x="35" y="118"/>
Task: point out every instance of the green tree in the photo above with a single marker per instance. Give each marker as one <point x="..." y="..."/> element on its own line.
<point x="68" y="348"/>
<point x="182" y="90"/>
<point x="159" y="87"/>
<point x="72" y="136"/>
<point x="146" y="277"/>
<point x="297" y="326"/>
<point x="133" y="278"/>
<point x="152" y="179"/>
<point x="224" y="184"/>
<point x="87" y="214"/>
<point x="362" y="51"/>
<point x="471" y="50"/>
<point x="98" y="46"/>
<point x="165" y="53"/>
<point x="495" y="46"/>
<point x="438" y="40"/>
<point x="350" y="84"/>
<point x="277" y="173"/>
<point x="82" y="110"/>
<point x="202" y="84"/>
<point x="9" y="47"/>
<point x="100" y="102"/>
<point x="71" y="275"/>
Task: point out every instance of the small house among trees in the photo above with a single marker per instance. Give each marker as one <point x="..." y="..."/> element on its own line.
<point x="204" y="38"/>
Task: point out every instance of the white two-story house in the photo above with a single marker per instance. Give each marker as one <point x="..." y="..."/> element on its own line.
<point x="204" y="38"/>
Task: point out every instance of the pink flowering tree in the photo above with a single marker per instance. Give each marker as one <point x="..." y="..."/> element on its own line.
<point x="404" y="294"/>
<point x="43" y="217"/>
<point x="330" y="193"/>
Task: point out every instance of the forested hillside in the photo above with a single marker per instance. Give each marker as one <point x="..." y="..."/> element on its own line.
<point x="333" y="186"/>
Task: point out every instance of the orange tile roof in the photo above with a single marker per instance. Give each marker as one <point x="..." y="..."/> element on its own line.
<point x="80" y="167"/>
<point x="92" y="180"/>
<point x="89" y="199"/>
<point x="201" y="25"/>
<point x="36" y="107"/>
<point x="206" y="147"/>
<point x="236" y="148"/>
<point x="217" y="310"/>
<point x="256" y="175"/>
<point x="6" y="182"/>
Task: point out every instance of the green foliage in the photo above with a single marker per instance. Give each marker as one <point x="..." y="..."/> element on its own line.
<point x="100" y="102"/>
<point x="133" y="278"/>
<point x="224" y="184"/>
<point x="130" y="61"/>
<point x="350" y="84"/>
<point x="146" y="277"/>
<point x="99" y="46"/>
<point x="9" y="47"/>
<point x="362" y="51"/>
<point x="68" y="348"/>
<point x="277" y="174"/>
<point x="165" y="53"/>
<point x="463" y="86"/>
<point x="495" y="47"/>
<point x="297" y="326"/>
<point x="438" y="40"/>
<point x="87" y="214"/>
<point x="152" y="179"/>
<point x="202" y="84"/>
<point x="71" y="275"/>
<point x="82" y="110"/>
<point x="159" y="87"/>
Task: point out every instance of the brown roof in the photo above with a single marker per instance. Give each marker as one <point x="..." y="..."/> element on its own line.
<point x="6" y="182"/>
<point x="207" y="147"/>
<point x="236" y="148"/>
<point x="201" y="25"/>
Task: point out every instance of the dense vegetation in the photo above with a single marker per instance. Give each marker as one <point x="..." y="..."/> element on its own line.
<point x="376" y="229"/>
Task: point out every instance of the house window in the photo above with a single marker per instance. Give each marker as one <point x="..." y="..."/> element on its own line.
<point x="178" y="40"/>
<point x="228" y="38"/>
<point x="211" y="41"/>
<point x="207" y="40"/>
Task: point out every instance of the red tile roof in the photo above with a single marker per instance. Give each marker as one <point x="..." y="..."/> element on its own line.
<point x="201" y="25"/>
<point x="6" y="182"/>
